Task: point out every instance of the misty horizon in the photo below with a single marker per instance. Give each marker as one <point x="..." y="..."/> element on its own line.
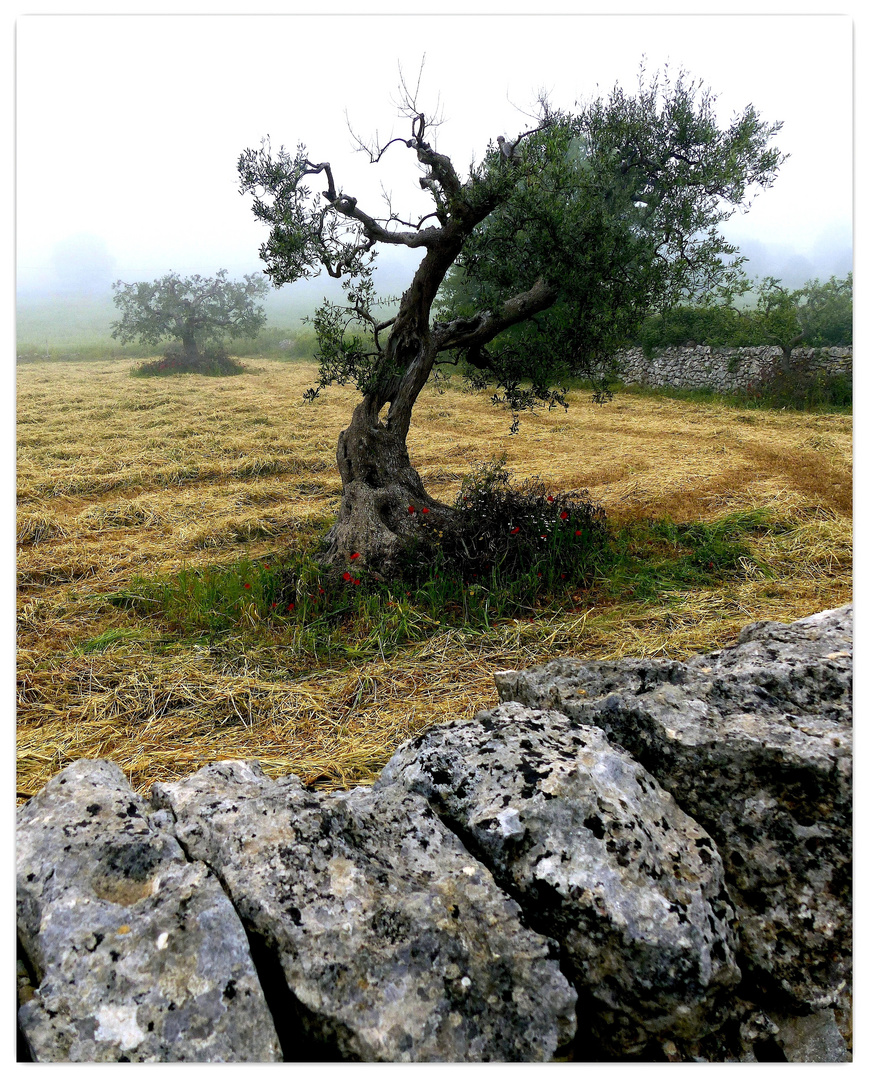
<point x="79" y="276"/>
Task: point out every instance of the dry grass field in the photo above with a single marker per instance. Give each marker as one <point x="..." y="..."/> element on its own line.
<point x="120" y="477"/>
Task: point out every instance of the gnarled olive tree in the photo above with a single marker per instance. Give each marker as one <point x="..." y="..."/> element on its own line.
<point x="560" y="241"/>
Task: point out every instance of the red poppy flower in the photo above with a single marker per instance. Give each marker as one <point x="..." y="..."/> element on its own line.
<point x="514" y="531"/>
<point x="549" y="498"/>
<point x="425" y="509"/>
<point x="274" y="605"/>
<point x="543" y="536"/>
<point x="346" y="575"/>
<point x="355" y="555"/>
<point x="356" y="581"/>
<point x="290" y="607"/>
<point x="579" y="532"/>
<point x="410" y="509"/>
<point x="564" y="515"/>
<point x="266" y="566"/>
<point x="247" y="586"/>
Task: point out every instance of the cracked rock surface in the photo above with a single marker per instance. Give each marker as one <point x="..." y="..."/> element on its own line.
<point x="754" y="742"/>
<point x="395" y="943"/>
<point x="596" y="852"/>
<point x="138" y="953"/>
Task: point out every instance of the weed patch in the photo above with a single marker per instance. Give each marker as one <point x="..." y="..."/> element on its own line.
<point x="318" y="613"/>
<point x="798" y="390"/>
<point x="798" y="387"/>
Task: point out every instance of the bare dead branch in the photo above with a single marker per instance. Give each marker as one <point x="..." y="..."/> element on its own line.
<point x="410" y="100"/>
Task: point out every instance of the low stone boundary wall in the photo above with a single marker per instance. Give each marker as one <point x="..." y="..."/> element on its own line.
<point x="701" y="367"/>
<point x="639" y="860"/>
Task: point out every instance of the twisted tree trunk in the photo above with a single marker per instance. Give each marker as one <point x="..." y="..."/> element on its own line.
<point x="384" y="501"/>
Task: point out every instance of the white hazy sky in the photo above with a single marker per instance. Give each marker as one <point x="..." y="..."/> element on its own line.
<point x="129" y="127"/>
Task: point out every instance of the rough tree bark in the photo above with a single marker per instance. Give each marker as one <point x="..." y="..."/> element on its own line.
<point x="379" y="483"/>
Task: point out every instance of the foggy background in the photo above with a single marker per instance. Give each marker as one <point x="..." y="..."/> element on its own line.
<point x="129" y="128"/>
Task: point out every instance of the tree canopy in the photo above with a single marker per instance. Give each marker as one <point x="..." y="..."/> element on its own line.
<point x="622" y="214"/>
<point x="562" y="239"/>
<point x="817" y="314"/>
<point x="195" y="310"/>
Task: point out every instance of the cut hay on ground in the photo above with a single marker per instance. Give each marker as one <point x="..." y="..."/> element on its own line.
<point x="120" y="477"/>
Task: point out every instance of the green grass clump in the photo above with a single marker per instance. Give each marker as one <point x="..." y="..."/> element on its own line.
<point x="110" y="638"/>
<point x="651" y="558"/>
<point x="317" y="613"/>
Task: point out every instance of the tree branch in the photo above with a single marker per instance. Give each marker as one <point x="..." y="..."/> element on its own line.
<point x="463" y="333"/>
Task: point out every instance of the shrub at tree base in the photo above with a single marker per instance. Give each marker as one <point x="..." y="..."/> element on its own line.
<point x="509" y="532"/>
<point x="208" y="362"/>
<point x="502" y="551"/>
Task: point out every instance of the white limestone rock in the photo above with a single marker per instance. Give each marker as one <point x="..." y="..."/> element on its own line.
<point x="138" y="954"/>
<point x="395" y="943"/>
<point x="599" y="856"/>
<point x="754" y="742"/>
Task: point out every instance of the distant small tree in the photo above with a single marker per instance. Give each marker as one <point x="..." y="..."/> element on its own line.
<point x="814" y="315"/>
<point x="196" y="311"/>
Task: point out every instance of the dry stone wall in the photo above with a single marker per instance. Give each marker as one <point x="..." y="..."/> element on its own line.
<point x="641" y="860"/>
<point x="701" y="367"/>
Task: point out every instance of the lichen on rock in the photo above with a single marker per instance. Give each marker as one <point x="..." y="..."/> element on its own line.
<point x="395" y="940"/>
